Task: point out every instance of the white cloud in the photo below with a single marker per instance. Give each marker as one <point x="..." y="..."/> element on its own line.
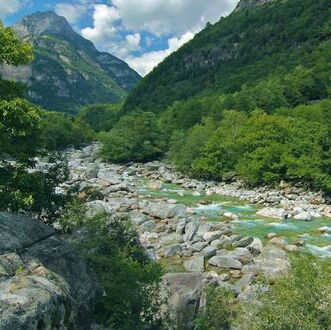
<point x="133" y="41"/>
<point x="103" y="19"/>
<point x="118" y="27"/>
<point x="8" y="7"/>
<point x="71" y="12"/>
<point x="171" y="16"/>
<point x="146" y="62"/>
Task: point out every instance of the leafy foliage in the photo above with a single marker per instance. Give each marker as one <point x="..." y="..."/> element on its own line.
<point x="61" y="131"/>
<point x="22" y="186"/>
<point x="136" y="137"/>
<point x="131" y="282"/>
<point x="101" y="117"/>
<point x="13" y="51"/>
<point x="219" y="311"/>
<point x="300" y="301"/>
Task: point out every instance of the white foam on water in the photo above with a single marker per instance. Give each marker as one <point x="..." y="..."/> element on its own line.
<point x="324" y="252"/>
<point x="283" y="225"/>
<point x="209" y="208"/>
<point x="248" y="222"/>
<point x="243" y="208"/>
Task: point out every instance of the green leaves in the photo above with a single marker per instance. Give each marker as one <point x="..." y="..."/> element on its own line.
<point x="20" y="126"/>
<point x="136" y="137"/>
<point x="12" y="50"/>
<point x="131" y="282"/>
<point x="22" y="187"/>
<point x="292" y="145"/>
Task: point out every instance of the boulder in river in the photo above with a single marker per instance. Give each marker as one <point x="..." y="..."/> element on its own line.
<point x="272" y="212"/>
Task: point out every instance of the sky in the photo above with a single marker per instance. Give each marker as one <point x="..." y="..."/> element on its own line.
<point x="141" y="32"/>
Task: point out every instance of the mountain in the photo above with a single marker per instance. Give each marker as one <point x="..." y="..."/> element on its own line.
<point x="68" y="71"/>
<point x="260" y="38"/>
<point x="246" y="4"/>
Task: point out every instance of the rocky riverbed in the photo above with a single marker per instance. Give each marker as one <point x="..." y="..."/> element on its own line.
<point x="204" y="232"/>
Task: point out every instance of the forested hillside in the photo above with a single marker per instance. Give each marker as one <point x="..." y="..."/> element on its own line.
<point x="248" y="97"/>
<point x="250" y="46"/>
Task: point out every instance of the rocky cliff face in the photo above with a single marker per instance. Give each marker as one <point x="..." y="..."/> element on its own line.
<point x="68" y="71"/>
<point x="246" y="4"/>
<point x="44" y="283"/>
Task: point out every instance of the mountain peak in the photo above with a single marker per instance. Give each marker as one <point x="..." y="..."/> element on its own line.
<point x="43" y="22"/>
<point x="246" y="4"/>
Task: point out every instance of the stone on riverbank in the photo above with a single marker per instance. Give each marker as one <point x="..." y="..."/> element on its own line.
<point x="272" y="212"/>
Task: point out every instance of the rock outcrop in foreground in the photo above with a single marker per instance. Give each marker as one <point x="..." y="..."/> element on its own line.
<point x="44" y="283"/>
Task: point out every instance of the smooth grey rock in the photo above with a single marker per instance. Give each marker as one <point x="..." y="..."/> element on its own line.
<point x="171" y="238"/>
<point x="272" y="212"/>
<point x="171" y="250"/>
<point x="151" y="254"/>
<point x="195" y="264"/>
<point x="185" y="293"/>
<point x="191" y="230"/>
<point x="278" y="241"/>
<point x="256" y="246"/>
<point x="197" y="247"/>
<point x="273" y="262"/>
<point x="211" y="236"/>
<point x="92" y="171"/>
<point x="48" y="285"/>
<point x="95" y="208"/>
<point x="138" y="218"/>
<point x="155" y="185"/>
<point x="241" y="254"/>
<point x="305" y="216"/>
<point x="226" y="262"/>
<point x="324" y="229"/>
<point x="180" y="229"/>
<point x="147" y="226"/>
<point x="109" y="175"/>
<point x="18" y="232"/>
<point x="164" y="210"/>
<point x="244" y="242"/>
<point x="208" y="252"/>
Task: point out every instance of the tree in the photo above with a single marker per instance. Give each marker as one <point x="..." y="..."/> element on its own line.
<point x="130" y="280"/>
<point x="220" y="153"/>
<point x="22" y="187"/>
<point x="136" y="137"/>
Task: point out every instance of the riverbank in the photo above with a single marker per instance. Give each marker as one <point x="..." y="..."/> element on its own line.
<point x="201" y="232"/>
<point x="299" y="216"/>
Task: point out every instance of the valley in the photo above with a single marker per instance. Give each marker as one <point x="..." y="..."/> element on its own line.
<point x="197" y="197"/>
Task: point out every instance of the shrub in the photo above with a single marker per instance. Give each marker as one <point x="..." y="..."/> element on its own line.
<point x="130" y="281"/>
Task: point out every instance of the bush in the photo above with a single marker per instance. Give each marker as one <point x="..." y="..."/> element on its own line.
<point x="219" y="312"/>
<point x="100" y="117"/>
<point x="301" y="301"/>
<point x="131" y="282"/>
<point x="136" y="137"/>
<point x="62" y="131"/>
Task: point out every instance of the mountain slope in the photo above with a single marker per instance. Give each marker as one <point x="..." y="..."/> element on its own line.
<point x="68" y="71"/>
<point x="239" y="50"/>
